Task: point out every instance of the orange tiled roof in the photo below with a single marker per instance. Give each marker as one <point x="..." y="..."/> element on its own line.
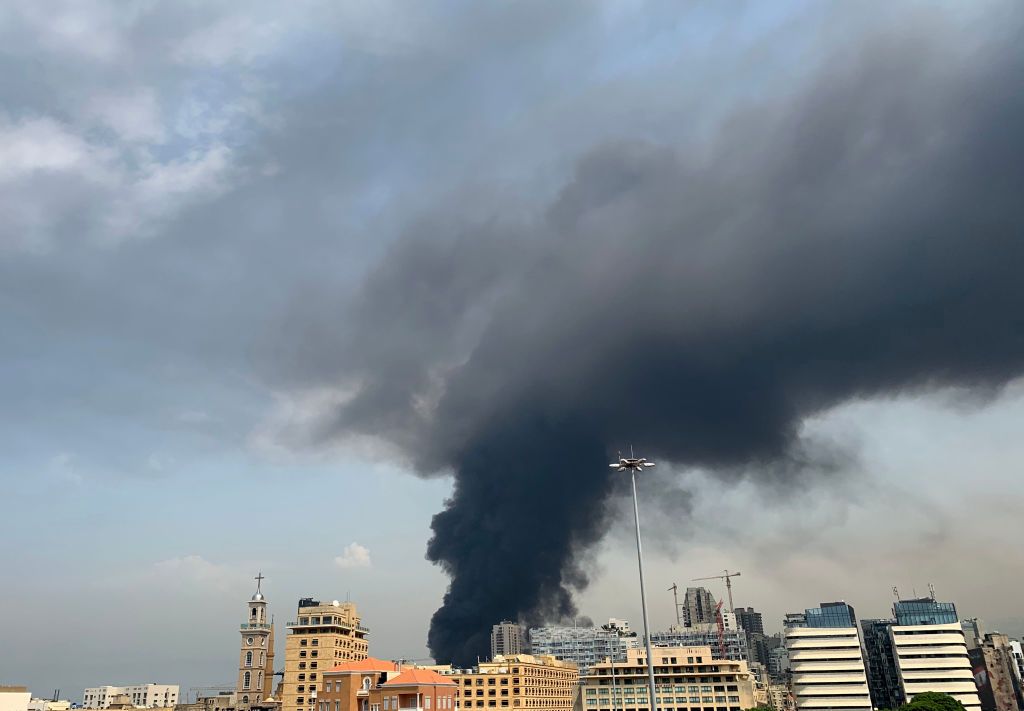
<point x="410" y="677"/>
<point x="365" y="665"/>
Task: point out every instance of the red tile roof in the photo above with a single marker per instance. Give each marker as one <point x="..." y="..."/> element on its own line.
<point x="412" y="677"/>
<point x="366" y="665"/>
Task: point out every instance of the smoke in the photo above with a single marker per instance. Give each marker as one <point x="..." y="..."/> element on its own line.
<point x="862" y="237"/>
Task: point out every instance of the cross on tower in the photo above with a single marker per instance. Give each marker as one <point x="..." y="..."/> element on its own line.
<point x="259" y="580"/>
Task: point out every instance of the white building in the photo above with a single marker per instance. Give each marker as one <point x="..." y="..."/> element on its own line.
<point x="585" y="646"/>
<point x="933" y="657"/>
<point x="706" y="635"/>
<point x="826" y="661"/>
<point x="14" y="698"/>
<point x="140" y="695"/>
<point x="48" y="705"/>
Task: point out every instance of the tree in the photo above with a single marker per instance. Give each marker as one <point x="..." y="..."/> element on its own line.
<point x="932" y="701"/>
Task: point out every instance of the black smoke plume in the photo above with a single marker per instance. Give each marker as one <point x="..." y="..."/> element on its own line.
<point x="861" y="237"/>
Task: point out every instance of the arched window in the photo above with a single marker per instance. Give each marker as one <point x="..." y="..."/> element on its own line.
<point x="248" y="659"/>
<point x="253" y="611"/>
<point x="245" y="699"/>
<point x="366" y="683"/>
<point x="246" y="680"/>
<point x="263" y="659"/>
<point x="259" y="680"/>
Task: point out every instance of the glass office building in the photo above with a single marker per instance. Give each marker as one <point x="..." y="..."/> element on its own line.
<point x="925" y="612"/>
<point x="831" y="614"/>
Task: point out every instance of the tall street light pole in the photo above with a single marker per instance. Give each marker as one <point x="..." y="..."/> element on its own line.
<point x="634" y="465"/>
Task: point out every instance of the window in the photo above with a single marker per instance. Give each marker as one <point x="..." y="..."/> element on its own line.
<point x="299" y="700"/>
<point x="248" y="659"/>
<point x="387" y="703"/>
<point x="246" y="679"/>
<point x="328" y="687"/>
<point x="263" y="659"/>
<point x="426" y="703"/>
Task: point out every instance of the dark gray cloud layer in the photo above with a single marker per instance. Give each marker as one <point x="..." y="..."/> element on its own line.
<point x="862" y="236"/>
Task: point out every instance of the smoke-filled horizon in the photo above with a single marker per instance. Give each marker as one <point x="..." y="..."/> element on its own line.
<point x="859" y="234"/>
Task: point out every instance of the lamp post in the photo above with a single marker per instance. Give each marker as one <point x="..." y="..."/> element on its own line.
<point x="634" y="465"/>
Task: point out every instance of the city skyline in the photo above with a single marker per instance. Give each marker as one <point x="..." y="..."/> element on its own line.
<point x="357" y="294"/>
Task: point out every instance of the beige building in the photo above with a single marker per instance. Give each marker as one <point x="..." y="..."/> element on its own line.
<point x="256" y="654"/>
<point x="322" y="636"/>
<point x="518" y="681"/>
<point x="14" y="698"/>
<point x="507" y="639"/>
<point x="686" y="679"/>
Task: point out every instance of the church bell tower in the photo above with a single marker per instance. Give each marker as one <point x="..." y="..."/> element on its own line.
<point x="256" y="657"/>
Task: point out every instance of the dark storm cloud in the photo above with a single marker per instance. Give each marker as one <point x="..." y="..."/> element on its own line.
<point x="863" y="236"/>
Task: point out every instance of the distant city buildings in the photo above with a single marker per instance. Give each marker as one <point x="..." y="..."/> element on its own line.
<point x="686" y="679"/>
<point x="996" y="673"/>
<point x="507" y="639"/>
<point x="706" y="634"/>
<point x="322" y="636"/>
<point x="138" y="695"/>
<point x="584" y="646"/>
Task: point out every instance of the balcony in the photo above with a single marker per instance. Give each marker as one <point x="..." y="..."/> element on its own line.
<point x="255" y="626"/>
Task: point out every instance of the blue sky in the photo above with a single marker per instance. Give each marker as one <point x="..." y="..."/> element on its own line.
<point x="190" y="194"/>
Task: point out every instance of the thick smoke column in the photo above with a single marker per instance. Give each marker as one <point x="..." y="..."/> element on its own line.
<point x="863" y="238"/>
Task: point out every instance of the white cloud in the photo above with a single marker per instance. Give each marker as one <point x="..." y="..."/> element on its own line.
<point x="40" y="145"/>
<point x="354" y="556"/>
<point x="134" y="115"/>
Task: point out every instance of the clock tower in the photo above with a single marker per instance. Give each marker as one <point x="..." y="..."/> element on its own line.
<point x="256" y="657"/>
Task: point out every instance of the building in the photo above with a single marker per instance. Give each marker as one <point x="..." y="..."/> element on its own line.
<point x="507" y="639"/>
<point x="347" y="686"/>
<point x="223" y="700"/>
<point x="779" y="698"/>
<point x="973" y="632"/>
<point x="322" y="636"/>
<point x="733" y="638"/>
<point x="522" y="681"/>
<point x="825" y="661"/>
<point x="931" y="652"/>
<point x="749" y="620"/>
<point x="256" y="654"/>
<point x="686" y="679"/>
<point x="698" y="607"/>
<point x="49" y="705"/>
<point x="14" y="698"/>
<point x="584" y="646"/>
<point x="883" y="679"/>
<point x="794" y="619"/>
<point x="778" y="663"/>
<point x="995" y="674"/>
<point x="139" y="695"/>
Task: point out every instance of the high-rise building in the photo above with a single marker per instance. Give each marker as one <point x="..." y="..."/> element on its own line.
<point x="826" y="661"/>
<point x="584" y="646"/>
<point x="521" y="681"/>
<point x="931" y="652"/>
<point x="698" y="607"/>
<point x="794" y="619"/>
<point x="140" y="695"/>
<point x="883" y="679"/>
<point x="686" y="679"/>
<point x="321" y="636"/>
<point x="507" y="638"/>
<point x="750" y="620"/>
<point x="256" y="655"/>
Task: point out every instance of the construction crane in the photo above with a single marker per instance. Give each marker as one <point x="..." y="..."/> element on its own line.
<point x="675" y="596"/>
<point x="721" y="630"/>
<point x="728" y="583"/>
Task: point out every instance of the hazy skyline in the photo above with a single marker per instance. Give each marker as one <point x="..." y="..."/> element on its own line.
<point x="213" y="217"/>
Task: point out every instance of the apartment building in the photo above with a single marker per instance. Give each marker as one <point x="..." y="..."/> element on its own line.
<point x="686" y="679"/>
<point x="733" y="640"/>
<point x="140" y="695"/>
<point x="584" y="646"/>
<point x="507" y="639"/>
<point x="347" y="686"/>
<point x="519" y="681"/>
<point x="322" y="636"/>
<point x="826" y="662"/>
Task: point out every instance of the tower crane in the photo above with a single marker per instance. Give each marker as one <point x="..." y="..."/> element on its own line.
<point x="675" y="596"/>
<point x="728" y="583"/>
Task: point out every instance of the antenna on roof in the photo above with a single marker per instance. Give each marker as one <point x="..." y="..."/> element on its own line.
<point x="931" y="591"/>
<point x="895" y="593"/>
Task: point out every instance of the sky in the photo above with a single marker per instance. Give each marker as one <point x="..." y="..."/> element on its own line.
<point x="222" y="225"/>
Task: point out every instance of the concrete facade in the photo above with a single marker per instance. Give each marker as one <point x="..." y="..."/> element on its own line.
<point x="14" y="698"/>
<point x="321" y="637"/>
<point x="584" y="646"/>
<point x="827" y="668"/>
<point x="933" y="657"/>
<point x="522" y="681"/>
<point x="256" y="655"/>
<point x="686" y="679"/>
<point x="507" y="638"/>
